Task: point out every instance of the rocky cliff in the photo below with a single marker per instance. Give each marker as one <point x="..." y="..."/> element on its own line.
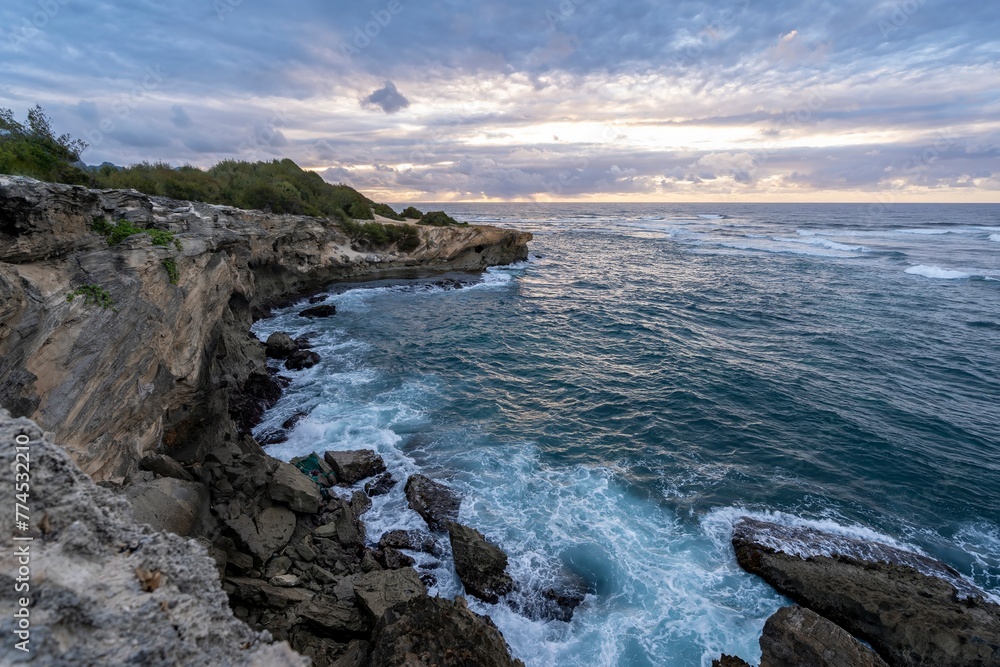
<point x="154" y="351"/>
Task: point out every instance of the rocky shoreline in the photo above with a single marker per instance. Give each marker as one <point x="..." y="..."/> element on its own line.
<point x="202" y="549"/>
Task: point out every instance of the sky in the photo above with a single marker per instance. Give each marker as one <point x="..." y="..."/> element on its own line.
<point x="540" y="100"/>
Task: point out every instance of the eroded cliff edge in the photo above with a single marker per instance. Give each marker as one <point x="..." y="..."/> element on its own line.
<point x="167" y="366"/>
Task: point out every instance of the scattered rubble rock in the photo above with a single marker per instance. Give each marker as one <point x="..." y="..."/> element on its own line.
<point x="290" y="486"/>
<point x="164" y="466"/>
<point x="481" y="565"/>
<point x="173" y="505"/>
<point x="377" y="591"/>
<point x="408" y="539"/>
<point x="435" y="502"/>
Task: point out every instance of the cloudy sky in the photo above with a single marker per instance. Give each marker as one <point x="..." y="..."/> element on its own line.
<point x="627" y="100"/>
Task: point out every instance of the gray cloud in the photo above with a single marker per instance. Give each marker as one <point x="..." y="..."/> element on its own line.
<point x="831" y="96"/>
<point x="387" y="98"/>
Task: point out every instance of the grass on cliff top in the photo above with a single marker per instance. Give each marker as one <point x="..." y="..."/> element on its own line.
<point x="279" y="186"/>
<point x="376" y="235"/>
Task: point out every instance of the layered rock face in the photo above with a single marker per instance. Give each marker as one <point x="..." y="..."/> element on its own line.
<point x="168" y="364"/>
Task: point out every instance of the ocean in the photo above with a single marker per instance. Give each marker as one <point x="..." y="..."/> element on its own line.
<point x="655" y="371"/>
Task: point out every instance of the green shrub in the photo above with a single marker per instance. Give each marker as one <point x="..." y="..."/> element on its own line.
<point x="412" y="213"/>
<point x="93" y="294"/>
<point x="378" y="235"/>
<point x="170" y="264"/>
<point x="32" y="149"/>
<point x="440" y="219"/>
<point x="386" y="211"/>
<point x="121" y="230"/>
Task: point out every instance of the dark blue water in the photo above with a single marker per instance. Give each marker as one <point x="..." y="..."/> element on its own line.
<point x="654" y="372"/>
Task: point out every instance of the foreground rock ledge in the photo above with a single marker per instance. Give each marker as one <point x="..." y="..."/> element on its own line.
<point x="107" y="591"/>
<point x="878" y="593"/>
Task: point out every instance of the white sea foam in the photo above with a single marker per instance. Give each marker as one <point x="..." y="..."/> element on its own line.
<point x="995" y="238"/>
<point x="824" y="243"/>
<point x="937" y="272"/>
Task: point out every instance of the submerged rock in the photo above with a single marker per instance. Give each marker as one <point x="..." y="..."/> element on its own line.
<point x="408" y="539"/>
<point x="381" y="485"/>
<point x="730" y="661"/>
<point x="325" y="310"/>
<point x="912" y="609"/>
<point x="797" y="637"/>
<point x="434" y="631"/>
<point x="481" y="565"/>
<point x="353" y="466"/>
<point x="301" y="359"/>
<point x="435" y="502"/>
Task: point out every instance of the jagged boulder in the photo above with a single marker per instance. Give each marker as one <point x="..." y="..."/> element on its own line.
<point x="290" y="486"/>
<point x="435" y="502"/>
<point x="481" y="565"/>
<point x="912" y="609"/>
<point x="353" y="466"/>
<point x="408" y="539"/>
<point x="426" y="631"/>
<point x="730" y="661"/>
<point x="301" y="359"/>
<point x="164" y="466"/>
<point x="173" y="505"/>
<point x="798" y="637"/>
<point x="106" y="590"/>
<point x="280" y="345"/>
<point x="377" y="591"/>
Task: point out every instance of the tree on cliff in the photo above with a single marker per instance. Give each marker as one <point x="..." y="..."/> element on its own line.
<point x="32" y="149"/>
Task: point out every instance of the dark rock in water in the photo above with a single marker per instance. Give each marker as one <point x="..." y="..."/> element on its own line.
<point x="913" y="610"/>
<point x="560" y="604"/>
<point x="377" y="591"/>
<point x="164" y="466"/>
<point x="798" y="637"/>
<point x="353" y="466"/>
<point x="290" y="486"/>
<point x="319" y="311"/>
<point x="481" y="565"/>
<point x="293" y="420"/>
<point x="435" y="631"/>
<point x="408" y="539"/>
<point x="305" y="342"/>
<point x="301" y="359"/>
<point x="257" y="395"/>
<point x="436" y="503"/>
<point x="730" y="661"/>
<point x="279" y="345"/>
<point x="317" y="298"/>
<point x="381" y="485"/>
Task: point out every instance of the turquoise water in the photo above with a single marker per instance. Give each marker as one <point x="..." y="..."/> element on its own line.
<point x="655" y="371"/>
